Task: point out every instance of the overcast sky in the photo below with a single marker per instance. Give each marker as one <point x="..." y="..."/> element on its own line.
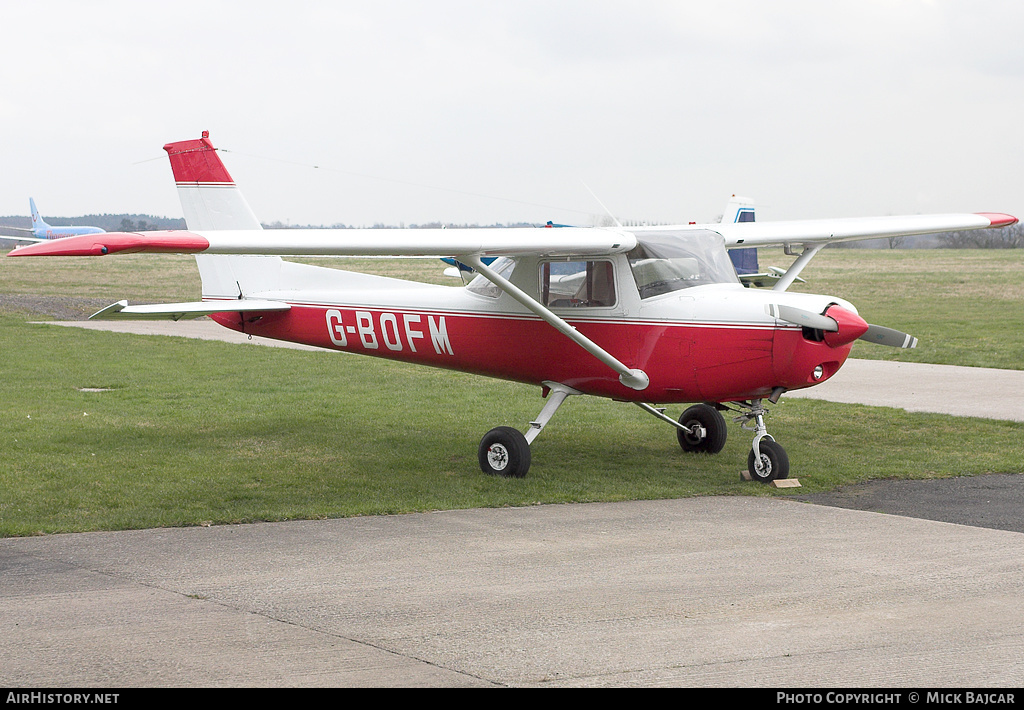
<point x="503" y="111"/>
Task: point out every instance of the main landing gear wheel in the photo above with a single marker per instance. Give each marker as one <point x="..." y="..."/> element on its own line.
<point x="708" y="428"/>
<point x="504" y="451"/>
<point x="773" y="464"/>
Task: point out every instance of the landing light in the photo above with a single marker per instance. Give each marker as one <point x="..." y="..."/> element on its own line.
<point x="818" y="372"/>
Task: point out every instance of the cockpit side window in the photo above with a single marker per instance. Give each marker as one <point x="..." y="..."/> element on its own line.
<point x="577" y="284"/>
<point x="663" y="262"/>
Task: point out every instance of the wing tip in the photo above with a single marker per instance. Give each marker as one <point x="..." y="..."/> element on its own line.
<point x="169" y="242"/>
<point x="998" y="219"/>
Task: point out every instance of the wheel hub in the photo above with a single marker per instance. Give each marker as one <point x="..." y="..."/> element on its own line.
<point x="497" y="457"/>
<point x="697" y="432"/>
<point x="763" y="465"/>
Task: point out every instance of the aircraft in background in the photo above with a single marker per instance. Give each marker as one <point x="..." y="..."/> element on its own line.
<point x="42" y="232"/>
<point x="648" y="315"/>
<point x="741" y="210"/>
<point x="737" y="210"/>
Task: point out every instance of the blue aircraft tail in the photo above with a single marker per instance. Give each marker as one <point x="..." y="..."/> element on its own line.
<point x="38" y="225"/>
<point x="42" y="230"/>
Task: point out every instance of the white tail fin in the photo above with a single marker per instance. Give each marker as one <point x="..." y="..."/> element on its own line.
<point x="210" y="200"/>
<point x="209" y="197"/>
<point x="738" y="209"/>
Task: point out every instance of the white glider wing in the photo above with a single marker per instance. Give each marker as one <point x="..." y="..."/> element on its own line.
<point x="16" y="238"/>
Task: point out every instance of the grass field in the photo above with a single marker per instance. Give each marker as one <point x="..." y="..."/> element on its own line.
<point x="187" y="432"/>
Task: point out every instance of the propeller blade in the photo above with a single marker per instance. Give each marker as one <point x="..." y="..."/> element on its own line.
<point x="887" y="336"/>
<point x="807" y="319"/>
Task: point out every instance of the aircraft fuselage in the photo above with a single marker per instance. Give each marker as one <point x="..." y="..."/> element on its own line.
<point x="713" y="342"/>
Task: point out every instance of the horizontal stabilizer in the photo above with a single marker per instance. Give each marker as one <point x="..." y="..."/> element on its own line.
<point x="179" y="311"/>
<point x="765" y="278"/>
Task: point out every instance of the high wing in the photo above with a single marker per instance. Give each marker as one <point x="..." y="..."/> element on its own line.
<point x="578" y="241"/>
<point x="814" y="234"/>
<point x="468" y="245"/>
<point x="348" y="242"/>
<point x="823" y="231"/>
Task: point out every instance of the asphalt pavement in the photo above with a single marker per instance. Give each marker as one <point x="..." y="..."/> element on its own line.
<point x="727" y="592"/>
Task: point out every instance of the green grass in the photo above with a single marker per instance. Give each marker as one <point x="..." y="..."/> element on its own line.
<point x="143" y="277"/>
<point x="192" y="432"/>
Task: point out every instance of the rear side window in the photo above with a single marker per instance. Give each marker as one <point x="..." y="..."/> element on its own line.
<point x="577" y="284"/>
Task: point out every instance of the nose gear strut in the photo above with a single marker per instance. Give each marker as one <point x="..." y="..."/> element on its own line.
<point x="767" y="460"/>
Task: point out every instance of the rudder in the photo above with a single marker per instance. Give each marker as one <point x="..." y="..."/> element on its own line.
<point x="210" y="200"/>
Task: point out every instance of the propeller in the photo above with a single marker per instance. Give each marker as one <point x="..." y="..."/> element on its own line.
<point x="880" y="335"/>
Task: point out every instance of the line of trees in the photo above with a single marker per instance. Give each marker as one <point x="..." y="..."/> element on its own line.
<point x="1011" y="237"/>
<point x="109" y="222"/>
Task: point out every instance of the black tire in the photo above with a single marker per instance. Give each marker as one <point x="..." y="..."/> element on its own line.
<point x="774" y="459"/>
<point x="504" y="451"/>
<point x="714" y="426"/>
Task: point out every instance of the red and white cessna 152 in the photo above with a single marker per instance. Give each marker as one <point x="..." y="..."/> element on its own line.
<point x="652" y="315"/>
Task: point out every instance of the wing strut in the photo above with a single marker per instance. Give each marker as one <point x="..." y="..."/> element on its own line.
<point x="633" y="378"/>
<point x="793" y="271"/>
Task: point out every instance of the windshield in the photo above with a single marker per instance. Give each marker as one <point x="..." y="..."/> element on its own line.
<point x="668" y="261"/>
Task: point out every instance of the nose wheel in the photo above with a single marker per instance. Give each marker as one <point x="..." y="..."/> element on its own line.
<point x="767" y="460"/>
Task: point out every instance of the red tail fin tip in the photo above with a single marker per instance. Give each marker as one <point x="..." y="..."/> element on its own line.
<point x="196" y="161"/>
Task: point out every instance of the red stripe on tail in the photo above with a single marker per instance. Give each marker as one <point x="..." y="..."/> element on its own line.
<point x="197" y="161"/>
